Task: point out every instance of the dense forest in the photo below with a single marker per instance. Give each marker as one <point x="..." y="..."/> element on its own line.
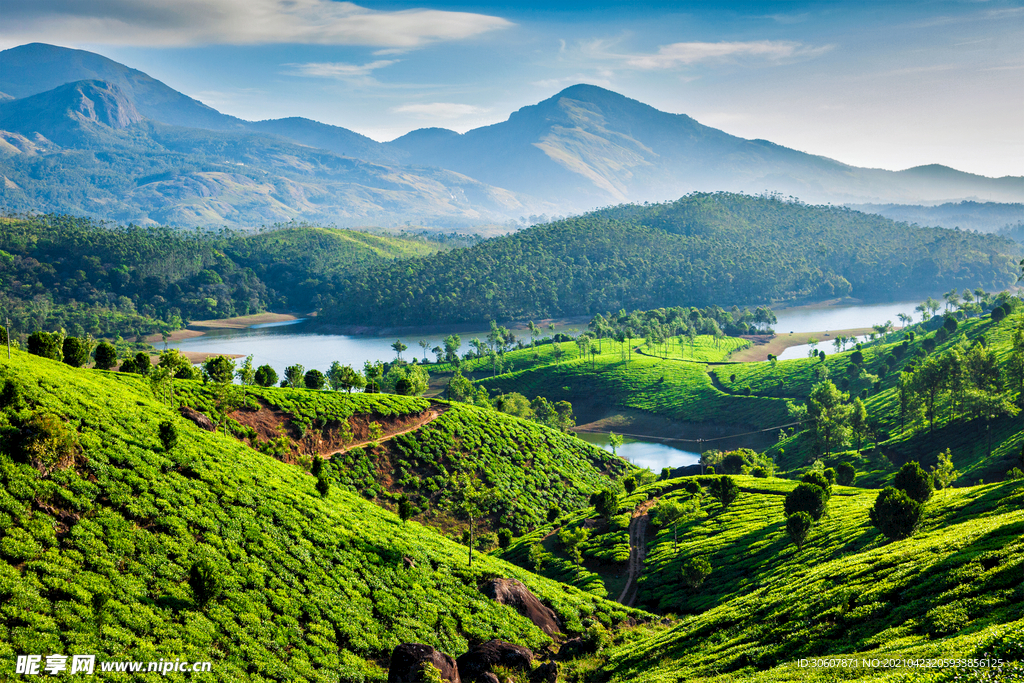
<point x="700" y="250"/>
<point x="100" y="279"/>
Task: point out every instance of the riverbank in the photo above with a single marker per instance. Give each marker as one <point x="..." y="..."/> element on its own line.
<point x="197" y="328"/>
<point x="759" y="350"/>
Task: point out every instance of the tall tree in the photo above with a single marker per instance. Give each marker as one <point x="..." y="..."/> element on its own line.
<point x="827" y="406"/>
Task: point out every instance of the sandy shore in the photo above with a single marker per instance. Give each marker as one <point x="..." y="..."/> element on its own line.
<point x="780" y="342"/>
<point x="197" y="328"/>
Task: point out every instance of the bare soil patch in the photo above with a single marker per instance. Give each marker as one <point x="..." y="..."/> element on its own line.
<point x="762" y="345"/>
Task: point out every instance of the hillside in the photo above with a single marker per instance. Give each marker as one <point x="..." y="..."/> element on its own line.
<point x="952" y="590"/>
<point x="101" y="526"/>
<point x="980" y="216"/>
<point x="701" y="250"/>
<point x="88" y="277"/>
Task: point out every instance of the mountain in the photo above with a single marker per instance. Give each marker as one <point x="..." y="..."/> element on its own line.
<point x="588" y="146"/>
<point x="984" y="217"/>
<point x="704" y="249"/>
<point x="84" y="148"/>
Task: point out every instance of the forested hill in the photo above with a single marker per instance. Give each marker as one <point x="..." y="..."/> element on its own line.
<point x="703" y="249"/>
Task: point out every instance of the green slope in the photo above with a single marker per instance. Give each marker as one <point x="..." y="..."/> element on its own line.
<point x="314" y="588"/>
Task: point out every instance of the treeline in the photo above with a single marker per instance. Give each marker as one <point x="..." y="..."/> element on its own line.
<point x="104" y="280"/>
<point x="701" y="249"/>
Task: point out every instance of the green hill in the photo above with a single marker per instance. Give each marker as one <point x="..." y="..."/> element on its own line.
<point x="100" y="528"/>
<point x="701" y="250"/>
<point x="953" y="590"/>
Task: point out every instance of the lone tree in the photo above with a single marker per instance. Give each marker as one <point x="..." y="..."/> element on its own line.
<point x="106" y="356"/>
<point x="76" y="351"/>
<point x="798" y="526"/>
<point x="323" y="484"/>
<point x="669" y="512"/>
<point x="205" y="581"/>
<point x="808" y="498"/>
<point x="614" y="440"/>
<point x="168" y="435"/>
<point x="266" y="376"/>
<point x="314" y="379"/>
<point x="913" y="481"/>
<point x="470" y="500"/>
<point x="695" y="571"/>
<point x="219" y="369"/>
<point x="895" y="513"/>
<point x="725" y="490"/>
<point x="571" y="541"/>
<point x="405" y="510"/>
<point x="846" y="473"/>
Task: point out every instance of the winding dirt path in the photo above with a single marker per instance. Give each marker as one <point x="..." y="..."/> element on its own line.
<point x="637" y="551"/>
<point x="435" y="411"/>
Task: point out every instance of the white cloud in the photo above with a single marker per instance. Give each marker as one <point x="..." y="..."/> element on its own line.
<point x="439" y="110"/>
<point x="340" y="70"/>
<point x="235" y="22"/>
<point x="686" y="54"/>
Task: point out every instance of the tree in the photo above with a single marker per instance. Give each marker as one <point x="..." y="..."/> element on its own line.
<point x="669" y="512"/>
<point x="205" y="581"/>
<point x="536" y="556"/>
<point x="808" y="498"/>
<point x="246" y="374"/>
<point x="943" y="473"/>
<point x="504" y="538"/>
<point x="695" y="571"/>
<point x="614" y="440"/>
<point x="345" y="377"/>
<point x="725" y="490"/>
<point x="818" y="479"/>
<point x="895" y="513"/>
<point x="314" y="379"/>
<point x="554" y="512"/>
<point x="846" y="473"/>
<point x="141" y="364"/>
<point x="398" y="347"/>
<point x="219" y="369"/>
<point x="323" y="484"/>
<point x="826" y="405"/>
<point x="47" y="345"/>
<point x="571" y="541"/>
<point x="168" y="435"/>
<point x="265" y="376"/>
<point x="798" y="525"/>
<point x="294" y="376"/>
<point x="452" y="343"/>
<point x="106" y="356"/>
<point x="405" y="509"/>
<point x="913" y="481"/>
<point x="629" y="483"/>
<point x="858" y="421"/>
<point x="76" y="351"/>
<point x="906" y="392"/>
<point x="605" y="502"/>
<point x="459" y="388"/>
<point x="424" y="344"/>
<point x="468" y="499"/>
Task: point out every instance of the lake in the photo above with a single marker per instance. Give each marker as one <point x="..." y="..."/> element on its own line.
<point x="651" y="454"/>
<point x="825" y="318"/>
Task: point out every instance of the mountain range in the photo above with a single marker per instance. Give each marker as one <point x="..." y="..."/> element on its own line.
<point x="82" y="133"/>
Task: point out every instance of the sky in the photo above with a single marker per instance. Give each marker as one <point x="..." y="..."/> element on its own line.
<point x="877" y="84"/>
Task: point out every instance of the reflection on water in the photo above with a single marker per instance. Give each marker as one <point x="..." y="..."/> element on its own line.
<point x="650" y="454"/>
<point x="824" y="344"/>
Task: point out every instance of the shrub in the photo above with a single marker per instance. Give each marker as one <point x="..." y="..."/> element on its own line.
<point x="725" y="490"/>
<point x="205" y="581"/>
<point x="846" y="474"/>
<point x="913" y="481"/>
<point x="606" y="503"/>
<point x="323" y="484"/>
<point x="314" y="379"/>
<point x="808" y="498"/>
<point x="946" y="619"/>
<point x="504" y="538"/>
<point x="168" y="435"/>
<point x="895" y="513"/>
<point x="759" y="472"/>
<point x="998" y="314"/>
<point x="695" y="571"/>
<point x="46" y="345"/>
<point x="1014" y="474"/>
<point x="819" y="480"/>
<point x="265" y="376"/>
<point x="106" y="356"/>
<point x="630" y="484"/>
<point x="798" y="526"/>
<point x="693" y="487"/>
<point x="950" y="324"/>
<point x="830" y="476"/>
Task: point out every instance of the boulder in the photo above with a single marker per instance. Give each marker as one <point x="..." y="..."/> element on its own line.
<point x="482" y="658"/>
<point x="516" y="595"/>
<point x="545" y="673"/>
<point x="201" y="420"/>
<point x="408" y="659"/>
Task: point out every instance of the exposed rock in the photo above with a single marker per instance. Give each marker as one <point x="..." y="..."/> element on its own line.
<point x="516" y="595"/>
<point x="482" y="658"/>
<point x="201" y="420"/>
<point x="545" y="673"/>
<point x="408" y="659"/>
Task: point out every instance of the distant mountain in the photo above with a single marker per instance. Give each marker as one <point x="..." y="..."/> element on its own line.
<point x="587" y="146"/>
<point x="984" y="217"/>
<point x="84" y="148"/>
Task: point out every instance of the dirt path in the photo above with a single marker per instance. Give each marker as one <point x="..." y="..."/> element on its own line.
<point x="637" y="551"/>
<point x="434" y="412"/>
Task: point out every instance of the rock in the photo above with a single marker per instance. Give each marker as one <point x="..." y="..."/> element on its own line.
<point x="489" y="678"/>
<point x="408" y="659"/>
<point x="481" y="658"/>
<point x="545" y="673"/>
<point x="201" y="420"/>
<point x="516" y="595"/>
<point x="572" y="648"/>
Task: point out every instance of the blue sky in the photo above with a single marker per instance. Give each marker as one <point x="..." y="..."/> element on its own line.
<point x="878" y="84"/>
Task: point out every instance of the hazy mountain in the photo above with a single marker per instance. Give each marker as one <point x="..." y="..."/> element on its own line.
<point x="587" y="145"/>
<point x="84" y="148"/>
<point x="35" y="68"/>
<point x="984" y="217"/>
